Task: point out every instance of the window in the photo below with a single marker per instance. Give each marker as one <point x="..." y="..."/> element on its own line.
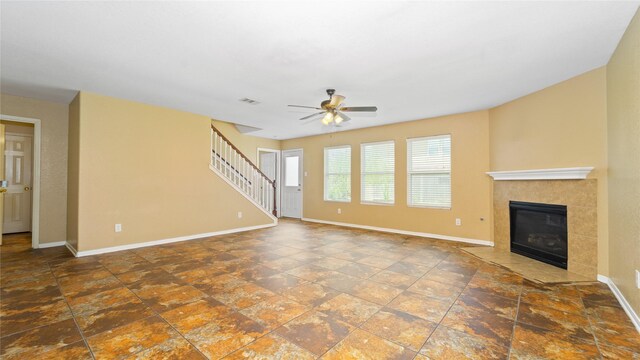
<point x="291" y="171"/>
<point x="378" y="165"/>
<point x="337" y="173"/>
<point x="429" y="171"/>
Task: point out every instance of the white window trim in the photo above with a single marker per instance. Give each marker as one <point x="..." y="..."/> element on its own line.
<point x="362" y="145"/>
<point x="324" y="176"/>
<point x="409" y="140"/>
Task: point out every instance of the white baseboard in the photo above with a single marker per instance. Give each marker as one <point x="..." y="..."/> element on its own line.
<point x="72" y="249"/>
<point x="51" y="244"/>
<point x="404" y="232"/>
<point x="635" y="319"/>
<point x="164" y="241"/>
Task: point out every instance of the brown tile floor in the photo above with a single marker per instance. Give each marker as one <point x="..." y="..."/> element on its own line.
<point x="297" y="291"/>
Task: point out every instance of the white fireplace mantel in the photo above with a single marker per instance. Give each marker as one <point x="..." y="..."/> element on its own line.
<point x="576" y="173"/>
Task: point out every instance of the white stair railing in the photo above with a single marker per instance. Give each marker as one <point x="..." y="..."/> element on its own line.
<point x="233" y="165"/>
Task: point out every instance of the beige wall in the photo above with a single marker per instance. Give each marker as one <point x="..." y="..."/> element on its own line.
<point x="564" y="125"/>
<point x="471" y="187"/>
<point x="246" y="143"/>
<point x="623" y="96"/>
<point x="53" y="170"/>
<point x="147" y="168"/>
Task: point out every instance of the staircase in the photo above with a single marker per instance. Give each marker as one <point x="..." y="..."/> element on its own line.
<point x="237" y="170"/>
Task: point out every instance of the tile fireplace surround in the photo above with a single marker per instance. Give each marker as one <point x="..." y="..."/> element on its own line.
<point x="580" y="197"/>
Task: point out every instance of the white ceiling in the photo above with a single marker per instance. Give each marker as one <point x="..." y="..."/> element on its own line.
<point x="412" y="60"/>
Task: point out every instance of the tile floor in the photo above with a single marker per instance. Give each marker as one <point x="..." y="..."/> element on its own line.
<point x="297" y="291"/>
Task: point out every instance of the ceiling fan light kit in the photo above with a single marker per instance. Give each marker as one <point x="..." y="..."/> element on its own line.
<point x="328" y="118"/>
<point x="332" y="111"/>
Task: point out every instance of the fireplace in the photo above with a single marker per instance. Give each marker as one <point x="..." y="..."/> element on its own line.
<point x="539" y="231"/>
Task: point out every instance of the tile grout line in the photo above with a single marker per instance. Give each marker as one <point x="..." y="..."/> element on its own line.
<point x="154" y="311"/>
<point x="315" y="307"/>
<point x="593" y="333"/>
<point x="403" y="290"/>
<point x="447" y="312"/>
<point x="515" y="322"/>
<point x="73" y="315"/>
<point x="125" y="286"/>
<point x="359" y="327"/>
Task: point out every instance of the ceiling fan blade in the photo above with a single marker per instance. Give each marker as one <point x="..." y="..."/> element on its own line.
<point x="306" y="107"/>
<point x="312" y="115"/>
<point x="336" y="100"/>
<point x="359" y="108"/>
<point x="344" y="116"/>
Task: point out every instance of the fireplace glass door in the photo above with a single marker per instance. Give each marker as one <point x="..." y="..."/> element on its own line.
<point x="539" y="231"/>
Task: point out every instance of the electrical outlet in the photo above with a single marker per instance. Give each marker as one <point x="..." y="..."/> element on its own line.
<point x="458" y="222"/>
<point x="339" y="211"/>
<point x="118" y="227"/>
<point x="239" y="214"/>
<point x="638" y="279"/>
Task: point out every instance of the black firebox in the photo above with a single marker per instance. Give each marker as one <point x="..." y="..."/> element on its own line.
<point x="539" y="231"/>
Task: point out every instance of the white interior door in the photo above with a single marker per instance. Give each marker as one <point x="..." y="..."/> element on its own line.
<point x="292" y="183"/>
<point x="268" y="164"/>
<point x="17" y="199"/>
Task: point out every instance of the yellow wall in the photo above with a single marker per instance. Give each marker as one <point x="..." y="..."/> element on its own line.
<point x="623" y="105"/>
<point x="471" y="187"/>
<point x="147" y="168"/>
<point x="53" y="170"/>
<point x="564" y="125"/>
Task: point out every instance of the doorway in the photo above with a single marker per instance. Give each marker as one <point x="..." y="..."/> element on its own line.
<point x="20" y="170"/>
<point x="292" y="183"/>
<point x="269" y="164"/>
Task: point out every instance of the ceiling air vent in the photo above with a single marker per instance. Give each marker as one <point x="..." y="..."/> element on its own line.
<point x="250" y="101"/>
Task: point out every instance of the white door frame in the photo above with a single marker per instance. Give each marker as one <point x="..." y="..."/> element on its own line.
<point x="278" y="173"/>
<point x="35" y="205"/>
<point x="302" y="176"/>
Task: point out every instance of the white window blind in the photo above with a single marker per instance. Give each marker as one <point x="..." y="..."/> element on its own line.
<point x="377" y="166"/>
<point x="429" y="171"/>
<point x="337" y="173"/>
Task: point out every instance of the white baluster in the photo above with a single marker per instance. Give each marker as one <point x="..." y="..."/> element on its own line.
<point x="263" y="194"/>
<point x="226" y="158"/>
<point x="217" y="145"/>
<point x="233" y="164"/>
<point x="216" y="164"/>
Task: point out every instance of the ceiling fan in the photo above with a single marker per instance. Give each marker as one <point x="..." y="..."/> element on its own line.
<point x="333" y="111"/>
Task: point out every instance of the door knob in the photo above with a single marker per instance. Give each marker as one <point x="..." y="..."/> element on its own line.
<point x="26" y="188"/>
<point x="3" y="190"/>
